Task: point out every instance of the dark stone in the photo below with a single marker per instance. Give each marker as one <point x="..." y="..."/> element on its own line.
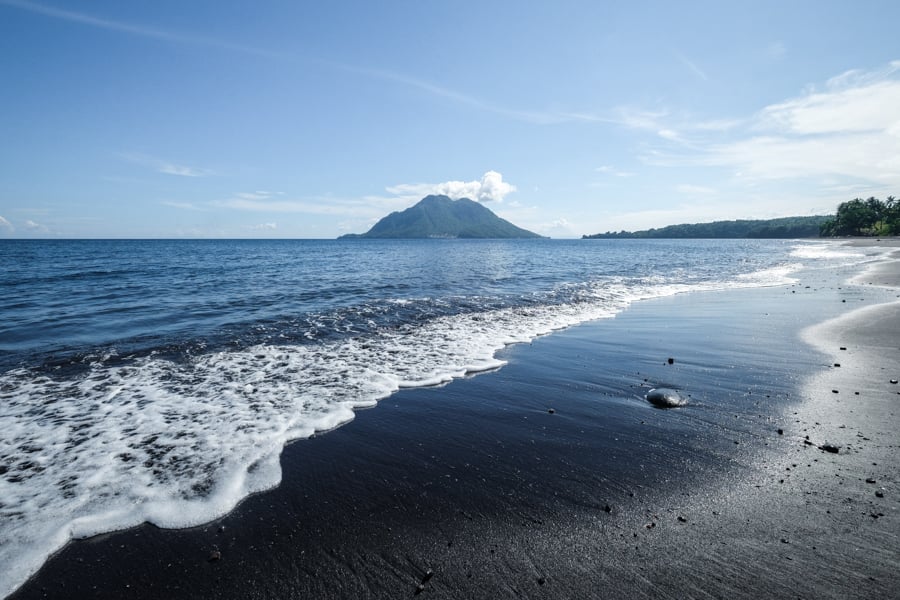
<point x="214" y="556"/>
<point x="671" y="361"/>
<point x="551" y="411"/>
<point x="870" y="480"/>
<point x="665" y="398"/>
<point x="879" y="494"/>
<point x="780" y="431"/>
<point x="833" y="448"/>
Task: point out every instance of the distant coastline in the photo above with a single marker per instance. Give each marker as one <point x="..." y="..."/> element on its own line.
<point x="783" y="228"/>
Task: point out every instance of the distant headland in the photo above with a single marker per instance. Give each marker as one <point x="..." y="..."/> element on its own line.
<point x="788" y="227"/>
<point x="441" y="217"/>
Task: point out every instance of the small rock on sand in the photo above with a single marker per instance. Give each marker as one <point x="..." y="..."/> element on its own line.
<point x="665" y="398"/>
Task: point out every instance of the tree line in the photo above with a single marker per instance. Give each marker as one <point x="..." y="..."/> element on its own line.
<point x="785" y="227"/>
<point x="864" y="217"/>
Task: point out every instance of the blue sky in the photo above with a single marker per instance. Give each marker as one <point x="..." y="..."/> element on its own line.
<point x="313" y="119"/>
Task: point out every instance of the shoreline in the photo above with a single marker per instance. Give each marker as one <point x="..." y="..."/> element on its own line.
<point x="479" y="484"/>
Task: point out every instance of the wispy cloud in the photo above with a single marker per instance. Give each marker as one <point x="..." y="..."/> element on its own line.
<point x="692" y="66"/>
<point x="184" y="205"/>
<point x="850" y="129"/>
<point x="167" y="167"/>
<point x="277" y="202"/>
<point x="610" y="170"/>
<point x="4" y="224"/>
<point x="776" y="50"/>
<point x="264" y="227"/>
<point x="89" y="20"/>
<point x="490" y="188"/>
<point x="693" y="190"/>
<point x="35" y="227"/>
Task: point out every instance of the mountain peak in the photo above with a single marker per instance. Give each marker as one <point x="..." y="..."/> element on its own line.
<point x="438" y="216"/>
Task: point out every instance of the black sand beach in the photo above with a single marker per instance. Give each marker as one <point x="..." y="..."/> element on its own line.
<point x="554" y="478"/>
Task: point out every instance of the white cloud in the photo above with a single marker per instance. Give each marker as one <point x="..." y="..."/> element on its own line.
<point x="848" y="130"/>
<point x="491" y="188"/>
<point x="167" y="167"/>
<point x="264" y="226"/>
<point x="4" y="224"/>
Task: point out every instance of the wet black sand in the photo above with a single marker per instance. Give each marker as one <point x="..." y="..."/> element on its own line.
<point x="554" y="478"/>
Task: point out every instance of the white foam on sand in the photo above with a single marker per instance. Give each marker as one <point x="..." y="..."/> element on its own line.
<point x="180" y="444"/>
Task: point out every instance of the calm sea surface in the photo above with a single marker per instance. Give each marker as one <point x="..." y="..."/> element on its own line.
<point x="159" y="380"/>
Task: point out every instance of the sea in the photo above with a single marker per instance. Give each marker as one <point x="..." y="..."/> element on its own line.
<point x="159" y="380"/>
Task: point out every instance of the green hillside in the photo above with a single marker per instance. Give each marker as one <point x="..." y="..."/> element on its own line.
<point x="441" y="217"/>
<point x="787" y="227"/>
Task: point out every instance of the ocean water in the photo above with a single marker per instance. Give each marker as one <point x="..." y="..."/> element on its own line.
<point x="158" y="381"/>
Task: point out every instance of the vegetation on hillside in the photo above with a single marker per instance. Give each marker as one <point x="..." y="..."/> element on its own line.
<point x="864" y="217"/>
<point x="441" y="217"/>
<point x="787" y="227"/>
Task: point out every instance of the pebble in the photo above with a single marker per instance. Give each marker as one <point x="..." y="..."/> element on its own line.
<point x="879" y="494"/>
<point x="834" y="449"/>
<point x="870" y="480"/>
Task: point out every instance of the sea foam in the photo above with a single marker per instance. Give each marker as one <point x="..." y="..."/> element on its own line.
<point x="180" y="443"/>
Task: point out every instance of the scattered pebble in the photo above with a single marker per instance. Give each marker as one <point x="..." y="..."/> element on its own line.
<point x="879" y="494"/>
<point x="780" y="431"/>
<point x="870" y="480"/>
<point x="894" y="381"/>
<point x="671" y="360"/>
<point x="682" y="519"/>
<point x="833" y="448"/>
<point x="837" y="364"/>
<point x="214" y="556"/>
<point x="551" y="411"/>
